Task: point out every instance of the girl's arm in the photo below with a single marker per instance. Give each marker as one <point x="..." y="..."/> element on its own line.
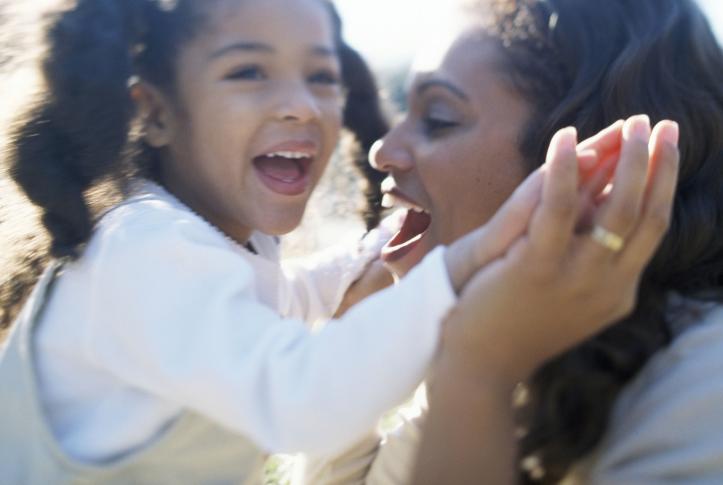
<point x="175" y="312"/>
<point x="319" y="284"/>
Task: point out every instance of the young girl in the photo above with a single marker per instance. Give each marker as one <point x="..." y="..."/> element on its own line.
<point x="166" y="344"/>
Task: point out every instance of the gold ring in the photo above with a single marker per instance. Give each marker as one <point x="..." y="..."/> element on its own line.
<point x="607" y="239"/>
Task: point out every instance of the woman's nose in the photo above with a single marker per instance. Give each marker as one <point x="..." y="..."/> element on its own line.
<point x="390" y="155"/>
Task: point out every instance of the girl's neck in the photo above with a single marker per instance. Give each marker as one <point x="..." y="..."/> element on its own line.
<point x="231" y="229"/>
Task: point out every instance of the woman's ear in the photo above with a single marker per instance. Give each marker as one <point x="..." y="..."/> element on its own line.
<point x="155" y="112"/>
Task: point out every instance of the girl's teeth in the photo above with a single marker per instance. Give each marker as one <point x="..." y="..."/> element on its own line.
<point x="291" y="155"/>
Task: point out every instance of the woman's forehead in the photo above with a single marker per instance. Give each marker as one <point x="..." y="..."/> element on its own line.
<point x="460" y="57"/>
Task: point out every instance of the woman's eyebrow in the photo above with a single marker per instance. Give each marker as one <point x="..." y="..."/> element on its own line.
<point x="431" y="83"/>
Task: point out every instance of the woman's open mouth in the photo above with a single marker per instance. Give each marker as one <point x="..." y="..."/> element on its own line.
<point x="414" y="228"/>
<point x="284" y="172"/>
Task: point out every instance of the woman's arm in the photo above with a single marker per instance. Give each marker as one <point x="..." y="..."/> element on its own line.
<point x="552" y="290"/>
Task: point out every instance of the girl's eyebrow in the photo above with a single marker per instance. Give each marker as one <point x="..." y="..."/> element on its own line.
<point x="260" y="47"/>
<point x="242" y="46"/>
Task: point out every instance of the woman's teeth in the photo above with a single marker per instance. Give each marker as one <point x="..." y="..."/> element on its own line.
<point x="389" y="201"/>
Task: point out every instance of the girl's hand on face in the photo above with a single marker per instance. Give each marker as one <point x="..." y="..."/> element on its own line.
<point x="556" y="287"/>
<point x="376" y="277"/>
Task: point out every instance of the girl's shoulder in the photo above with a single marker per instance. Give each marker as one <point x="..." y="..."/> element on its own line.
<point x="150" y="213"/>
<point x="146" y="205"/>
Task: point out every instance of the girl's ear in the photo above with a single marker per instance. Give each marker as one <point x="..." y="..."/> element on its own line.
<point x="155" y="112"/>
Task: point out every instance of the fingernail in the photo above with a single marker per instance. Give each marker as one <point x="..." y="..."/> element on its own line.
<point x="564" y="140"/>
<point x="637" y="128"/>
<point x="669" y="132"/>
<point x="567" y="139"/>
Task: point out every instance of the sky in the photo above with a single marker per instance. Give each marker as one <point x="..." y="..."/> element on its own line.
<point x="394" y="35"/>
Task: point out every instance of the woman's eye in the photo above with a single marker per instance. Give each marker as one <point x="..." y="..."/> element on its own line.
<point x="247" y="73"/>
<point x="324" y="77"/>
<point x="433" y="126"/>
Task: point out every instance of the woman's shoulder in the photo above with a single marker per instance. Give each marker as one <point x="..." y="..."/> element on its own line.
<point x="667" y="423"/>
<point x="697" y="343"/>
<point x="693" y="360"/>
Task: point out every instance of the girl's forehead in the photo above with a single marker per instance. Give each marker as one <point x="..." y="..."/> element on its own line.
<point x="279" y="20"/>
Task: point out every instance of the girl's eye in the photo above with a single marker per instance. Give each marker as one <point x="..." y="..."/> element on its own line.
<point x="437" y="126"/>
<point x="325" y="77"/>
<point x="247" y="73"/>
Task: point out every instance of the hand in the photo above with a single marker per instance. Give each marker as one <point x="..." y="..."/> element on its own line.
<point x="554" y="287"/>
<point x="597" y="158"/>
<point x="376" y="277"/>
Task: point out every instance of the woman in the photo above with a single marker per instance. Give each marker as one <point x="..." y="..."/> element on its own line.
<point x="640" y="402"/>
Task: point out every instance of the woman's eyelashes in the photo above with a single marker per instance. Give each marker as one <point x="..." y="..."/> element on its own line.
<point x="437" y="126"/>
<point x="438" y="118"/>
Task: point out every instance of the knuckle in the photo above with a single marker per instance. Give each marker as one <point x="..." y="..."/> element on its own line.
<point x="563" y="206"/>
<point x="637" y="155"/>
<point x="624" y="214"/>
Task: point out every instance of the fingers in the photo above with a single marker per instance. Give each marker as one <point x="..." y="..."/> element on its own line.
<point x="605" y="141"/>
<point x="659" y="198"/>
<point x="593" y="151"/>
<point x="554" y="220"/>
<point x="621" y="211"/>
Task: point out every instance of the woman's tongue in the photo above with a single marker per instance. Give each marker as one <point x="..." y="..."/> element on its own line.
<point x="279" y="168"/>
<point x="413" y="229"/>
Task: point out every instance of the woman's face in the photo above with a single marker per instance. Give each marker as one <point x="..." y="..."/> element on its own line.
<point x="256" y="116"/>
<point x="455" y="154"/>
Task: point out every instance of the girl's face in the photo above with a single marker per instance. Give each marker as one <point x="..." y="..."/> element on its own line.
<point x="256" y="116"/>
<point x="454" y="157"/>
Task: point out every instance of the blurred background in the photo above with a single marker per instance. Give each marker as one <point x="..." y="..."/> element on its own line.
<point x="385" y="32"/>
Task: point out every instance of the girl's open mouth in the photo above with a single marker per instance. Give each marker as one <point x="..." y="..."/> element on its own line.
<point x="285" y="172"/>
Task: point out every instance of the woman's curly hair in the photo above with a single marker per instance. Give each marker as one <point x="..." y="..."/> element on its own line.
<point x="82" y="130"/>
<point x="588" y="63"/>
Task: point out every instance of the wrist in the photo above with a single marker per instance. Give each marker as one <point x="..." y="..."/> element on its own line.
<point x="479" y="358"/>
<point x="477" y="375"/>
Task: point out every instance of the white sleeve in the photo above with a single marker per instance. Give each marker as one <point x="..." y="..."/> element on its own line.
<point x="174" y="312"/>
<point x="668" y="425"/>
<point x="318" y="283"/>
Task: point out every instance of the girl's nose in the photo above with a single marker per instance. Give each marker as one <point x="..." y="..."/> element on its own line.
<point x="298" y="104"/>
<point x="390" y="155"/>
